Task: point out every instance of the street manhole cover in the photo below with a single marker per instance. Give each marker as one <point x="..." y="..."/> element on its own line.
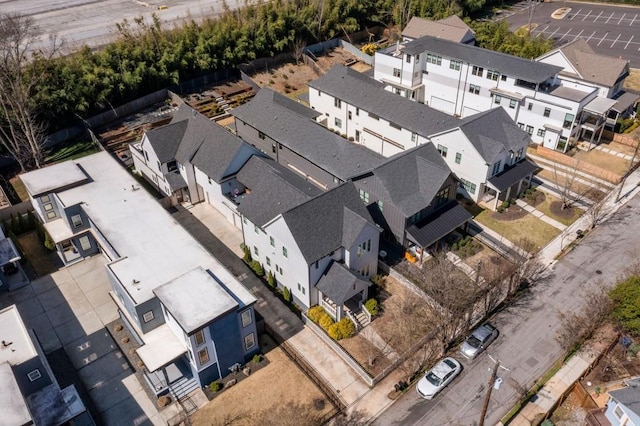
<point x="598" y="271"/>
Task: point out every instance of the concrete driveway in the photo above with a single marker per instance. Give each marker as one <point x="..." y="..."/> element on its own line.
<point x="69" y="310"/>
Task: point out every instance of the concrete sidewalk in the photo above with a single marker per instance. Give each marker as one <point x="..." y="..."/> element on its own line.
<point x="543" y="217"/>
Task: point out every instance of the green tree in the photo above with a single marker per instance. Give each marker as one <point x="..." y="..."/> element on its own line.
<point x="626" y="298"/>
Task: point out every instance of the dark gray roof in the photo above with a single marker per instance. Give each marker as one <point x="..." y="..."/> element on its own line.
<point x="271" y="113"/>
<point x="432" y="228"/>
<point x="217" y="152"/>
<point x="569" y="93"/>
<point x="492" y="131"/>
<point x="165" y="140"/>
<point x="624" y="101"/>
<point x="513" y="174"/>
<point x="369" y="95"/>
<point x="175" y="180"/>
<point x="274" y="190"/>
<point x="512" y="66"/>
<point x="411" y="179"/>
<point x="629" y="396"/>
<point x="328" y="222"/>
<point x="337" y="283"/>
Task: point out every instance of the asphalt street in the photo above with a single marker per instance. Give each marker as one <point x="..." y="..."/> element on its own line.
<point x="93" y="22"/>
<point x="609" y="29"/>
<point x="527" y="347"/>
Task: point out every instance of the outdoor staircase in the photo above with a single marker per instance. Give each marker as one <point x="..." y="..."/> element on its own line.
<point x="362" y="319"/>
<point x="183" y="387"/>
<point x="224" y="106"/>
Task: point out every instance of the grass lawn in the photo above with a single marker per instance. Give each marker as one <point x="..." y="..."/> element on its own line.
<point x="571" y="214"/>
<point x="575" y="186"/>
<point x="71" y="151"/>
<point x="602" y="159"/>
<point x="633" y="81"/>
<point x="19" y="188"/>
<point x="529" y="227"/>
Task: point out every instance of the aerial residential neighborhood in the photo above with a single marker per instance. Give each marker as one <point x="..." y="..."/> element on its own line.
<point x="395" y="220"/>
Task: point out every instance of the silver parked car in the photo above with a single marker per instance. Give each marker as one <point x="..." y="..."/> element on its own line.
<point x="478" y="341"/>
<point x="438" y="377"/>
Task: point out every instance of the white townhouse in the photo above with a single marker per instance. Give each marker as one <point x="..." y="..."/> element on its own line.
<point x="463" y="80"/>
<point x="193" y="317"/>
<point x="322" y="246"/>
<point x="477" y="149"/>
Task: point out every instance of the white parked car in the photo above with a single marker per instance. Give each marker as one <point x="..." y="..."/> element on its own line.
<point x="478" y="341"/>
<point x="438" y="377"/>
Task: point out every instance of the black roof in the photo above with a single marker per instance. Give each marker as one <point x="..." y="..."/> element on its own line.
<point x="337" y="283"/>
<point x="512" y="66"/>
<point x="512" y="174"/>
<point x="434" y="227"/>
<point x="165" y="140"/>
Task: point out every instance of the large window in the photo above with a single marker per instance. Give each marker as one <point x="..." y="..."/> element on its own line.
<point x="529" y="130"/>
<point x="364" y="247"/>
<point x="246" y="317"/>
<point x="364" y="195"/>
<point x="442" y="196"/>
<point x="396" y="72"/>
<point x="474" y="89"/>
<point x="458" y="157"/>
<point x="199" y="338"/>
<point x="568" y="121"/>
<point x="434" y="59"/>
<point x="547" y="112"/>
<point x="496" y="168"/>
<point x="512" y="104"/>
<point x="442" y="150"/>
<point x="272" y="242"/>
<point x="497" y="99"/>
<point x="249" y="341"/>
<point x="455" y="65"/>
<point x="541" y="132"/>
<point x="477" y="71"/>
<point x="203" y="356"/>
<point x="493" y="75"/>
<point x="338" y="122"/>
<point x="468" y="186"/>
<point x="85" y="243"/>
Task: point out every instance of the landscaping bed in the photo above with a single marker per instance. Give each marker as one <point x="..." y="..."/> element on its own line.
<point x="552" y="207"/>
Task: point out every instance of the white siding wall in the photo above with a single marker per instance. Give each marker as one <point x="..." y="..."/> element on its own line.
<point x="214" y="195"/>
<point x="358" y="262"/>
<point x="149" y="168"/>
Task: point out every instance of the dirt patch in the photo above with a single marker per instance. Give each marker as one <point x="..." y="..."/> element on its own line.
<point x="276" y="385"/>
<point x="556" y="209"/>
<point x="288" y="78"/>
<point x="37" y="255"/>
<point x="511" y="213"/>
<point x="487" y="257"/>
<point x="612" y="368"/>
<point x="372" y="359"/>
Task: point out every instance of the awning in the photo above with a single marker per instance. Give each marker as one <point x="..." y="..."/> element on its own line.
<point x="507" y="94"/>
<point x="161" y="347"/>
<point x="624" y="101"/>
<point x="433" y="228"/>
<point x="600" y="105"/>
<point x="175" y="181"/>
<point x="340" y="284"/>
<point x="552" y="128"/>
<point x="512" y="175"/>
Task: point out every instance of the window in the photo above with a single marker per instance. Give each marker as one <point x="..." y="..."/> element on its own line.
<point x="337" y="103"/>
<point x="380" y="204"/>
<point x="261" y="135"/>
<point x="408" y="59"/>
<point x="373" y="116"/>
<point x="497" y="99"/>
<point x="146" y="156"/>
<point x="394" y="125"/>
<point x="396" y="72"/>
<point x="455" y="65"/>
<point x="458" y="157"/>
<point x="442" y="150"/>
<point x="364" y="247"/>
<point x="358" y="111"/>
<point x="159" y="166"/>
<point x="541" y="132"/>
<point x="530" y="130"/>
<point x="85" y="243"/>
<point x="148" y="316"/>
<point x="519" y="154"/>
<point x="273" y="149"/>
<point x="503" y="77"/>
<point x="349" y="115"/>
<point x="203" y="356"/>
<point x="530" y="106"/>
<point x="255" y="229"/>
<point x="512" y="103"/>
<point x="34" y="375"/>
<point x="496" y="168"/>
<point x="76" y="219"/>
<point x="268" y="261"/>
<point x="317" y="264"/>
<point x="255" y="250"/>
<point x="199" y="338"/>
<point x="244" y="220"/>
<point x="319" y="93"/>
<point x="357" y="135"/>
<point x="493" y="75"/>
<point x="442" y="196"/>
<point x="477" y="71"/>
<point x="434" y="59"/>
<point x="474" y="89"/>
<point x="272" y="242"/>
<point x="249" y="341"/>
<point x="364" y="196"/>
<point x="468" y="186"/>
<point x="285" y="253"/>
<point x="568" y="120"/>
<point x="211" y="181"/>
<point x="547" y="112"/>
<point x="338" y="122"/>
<point x="279" y="270"/>
<point x="414" y="137"/>
<point x="398" y="92"/>
<point x="521" y="125"/>
<point x="246" y="317"/>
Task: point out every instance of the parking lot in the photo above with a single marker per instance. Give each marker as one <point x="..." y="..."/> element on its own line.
<point x="609" y="29"/>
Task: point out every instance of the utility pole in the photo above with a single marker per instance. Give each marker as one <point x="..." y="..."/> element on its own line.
<point x="487" y="397"/>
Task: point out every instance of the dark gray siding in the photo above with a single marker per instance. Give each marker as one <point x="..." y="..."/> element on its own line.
<point x="152" y="305"/>
<point x="91" y="250"/>
<point x="27" y="387"/>
<point x="71" y="211"/>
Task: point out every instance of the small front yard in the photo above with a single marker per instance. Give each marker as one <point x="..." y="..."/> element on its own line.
<point x="518" y="229"/>
<point x="37" y="255"/>
<point x="604" y="160"/>
<point x="551" y="206"/>
<point x="575" y="186"/>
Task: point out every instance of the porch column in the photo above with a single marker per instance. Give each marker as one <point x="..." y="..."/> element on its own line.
<point x="495" y="202"/>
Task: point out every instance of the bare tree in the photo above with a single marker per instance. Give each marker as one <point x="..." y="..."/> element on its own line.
<point x="299" y="46"/>
<point x="21" y="134"/>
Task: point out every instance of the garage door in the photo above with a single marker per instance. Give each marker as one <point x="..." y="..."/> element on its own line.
<point x="442" y="105"/>
<point x="469" y="111"/>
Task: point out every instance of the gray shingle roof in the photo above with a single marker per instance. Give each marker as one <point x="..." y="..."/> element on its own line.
<point x="451" y="28"/>
<point x="512" y="66"/>
<point x="629" y="396"/>
<point x="217" y="152"/>
<point x="291" y="125"/>
<point x="337" y="283"/>
<point x="593" y="67"/>
<point x="369" y="95"/>
<point x="411" y="179"/>
<point x="165" y="140"/>
<point x="175" y="180"/>
<point x="274" y="190"/>
<point x="328" y="221"/>
<point x="492" y="131"/>
<point x="198" y="128"/>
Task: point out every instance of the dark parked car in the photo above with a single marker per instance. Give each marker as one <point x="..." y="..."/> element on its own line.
<point x="478" y="341"/>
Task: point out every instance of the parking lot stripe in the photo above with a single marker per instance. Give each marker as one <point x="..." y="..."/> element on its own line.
<point x="567" y="33"/>
<point x="627" y="45"/>
<point x="633" y="19"/>
<point x="552" y="34"/>
<point x="603" y="38"/>
<point x="621" y="18"/>
<point x="615" y="40"/>
<point x="585" y="16"/>
<point x="591" y="36"/>
<point x="597" y="17"/>
<point x="609" y="18"/>
<point x="578" y="34"/>
<point x="576" y="14"/>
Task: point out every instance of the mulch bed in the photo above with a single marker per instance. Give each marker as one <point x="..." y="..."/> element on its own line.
<point x="514" y="212"/>
<point x="556" y="209"/>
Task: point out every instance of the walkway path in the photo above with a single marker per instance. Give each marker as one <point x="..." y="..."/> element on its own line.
<point x="616" y="153"/>
<point x="551" y="188"/>
<point x="561" y="169"/>
<point x="543" y="217"/>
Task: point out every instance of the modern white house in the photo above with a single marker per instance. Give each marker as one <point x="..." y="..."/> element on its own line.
<point x="450" y="28"/>
<point x="193" y="318"/>
<point x="31" y="395"/>
<point x="463" y="80"/>
<point x="486" y="151"/>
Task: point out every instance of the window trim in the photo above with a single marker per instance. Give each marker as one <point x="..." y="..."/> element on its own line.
<point x="34" y="375"/>
<point x="204" y="350"/>
<point x="73" y="220"/>
<point x="203" y="338"/>
<point x="243" y="318"/>
<point x="148" y="316"/>
<point x="251" y="337"/>
<point x="82" y="240"/>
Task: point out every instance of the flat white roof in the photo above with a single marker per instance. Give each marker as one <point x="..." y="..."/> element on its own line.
<point x="16" y="346"/>
<point x="161" y="346"/>
<point x="51" y="178"/>
<point x="183" y="296"/>
<point x="600" y="105"/>
<point x="14" y="407"/>
<point x="154" y="248"/>
<point x="58" y="230"/>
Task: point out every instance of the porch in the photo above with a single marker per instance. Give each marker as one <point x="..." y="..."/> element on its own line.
<point x="594" y="118"/>
<point x="175" y="378"/>
<point x="509" y="183"/>
<point x="342" y="293"/>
